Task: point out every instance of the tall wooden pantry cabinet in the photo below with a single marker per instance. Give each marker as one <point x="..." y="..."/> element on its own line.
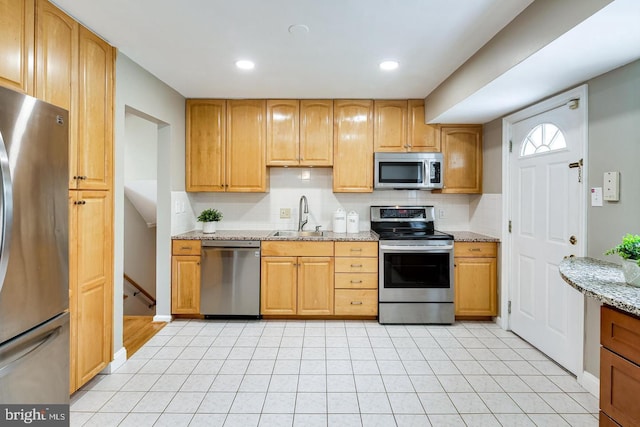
<point x="74" y="69"/>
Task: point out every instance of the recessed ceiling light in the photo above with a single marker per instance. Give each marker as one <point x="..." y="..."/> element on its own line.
<point x="298" y="29"/>
<point x="244" y="64"/>
<point x="388" y="65"/>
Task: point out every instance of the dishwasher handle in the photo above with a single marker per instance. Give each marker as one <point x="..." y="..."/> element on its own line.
<point x="231" y="244"/>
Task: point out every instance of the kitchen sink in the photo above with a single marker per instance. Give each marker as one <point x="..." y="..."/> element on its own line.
<point x="298" y="234"/>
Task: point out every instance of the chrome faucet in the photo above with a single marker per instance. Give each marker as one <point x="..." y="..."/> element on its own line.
<point x="303" y="205"/>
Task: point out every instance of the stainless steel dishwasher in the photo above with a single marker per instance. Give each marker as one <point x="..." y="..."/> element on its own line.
<point x="230" y="281"/>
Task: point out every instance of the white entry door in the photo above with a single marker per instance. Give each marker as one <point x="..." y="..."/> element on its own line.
<point x="546" y="197"/>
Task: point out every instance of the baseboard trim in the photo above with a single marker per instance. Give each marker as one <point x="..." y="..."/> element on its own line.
<point x="590" y="383"/>
<point x="119" y="359"/>
<point x="162" y="318"/>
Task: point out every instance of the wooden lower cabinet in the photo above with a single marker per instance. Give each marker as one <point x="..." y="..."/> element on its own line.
<point x="475" y="279"/>
<point x="315" y="286"/>
<point x="619" y="388"/>
<point x="185" y="277"/>
<point x="279" y="285"/>
<point x="356" y="302"/>
<point x="90" y="284"/>
<point x="297" y="286"/>
<point x="296" y="278"/>
<point x="619" y="368"/>
<point x="356" y="280"/>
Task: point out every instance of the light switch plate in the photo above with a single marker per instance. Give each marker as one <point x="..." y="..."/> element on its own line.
<point x="612" y="186"/>
<point x="596" y="196"/>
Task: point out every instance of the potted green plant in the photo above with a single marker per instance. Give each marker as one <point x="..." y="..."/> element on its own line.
<point x="629" y="251"/>
<point x="209" y="217"/>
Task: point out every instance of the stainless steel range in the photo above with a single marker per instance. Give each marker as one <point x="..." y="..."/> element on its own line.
<point x="416" y="266"/>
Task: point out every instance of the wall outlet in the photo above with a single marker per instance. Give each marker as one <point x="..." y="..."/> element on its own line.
<point x="441" y="214"/>
<point x="285" y="213"/>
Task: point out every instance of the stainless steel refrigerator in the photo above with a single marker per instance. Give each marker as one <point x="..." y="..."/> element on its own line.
<point x="34" y="251"/>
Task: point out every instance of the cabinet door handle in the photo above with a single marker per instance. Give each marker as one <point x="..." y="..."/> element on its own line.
<point x="356" y="281"/>
<point x="185" y="247"/>
<point x="356" y="265"/>
<point x="474" y="250"/>
<point x="356" y="249"/>
<point x="356" y="302"/>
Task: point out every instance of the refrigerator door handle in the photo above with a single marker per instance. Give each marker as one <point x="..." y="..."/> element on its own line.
<point x="6" y="210"/>
<point x="19" y="354"/>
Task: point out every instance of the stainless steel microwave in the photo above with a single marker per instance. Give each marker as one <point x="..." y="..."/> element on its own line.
<point x="408" y="171"/>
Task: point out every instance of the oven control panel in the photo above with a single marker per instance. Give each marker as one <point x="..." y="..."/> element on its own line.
<point x="402" y="213"/>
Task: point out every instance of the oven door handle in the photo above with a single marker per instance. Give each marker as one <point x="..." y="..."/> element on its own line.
<point x="416" y="248"/>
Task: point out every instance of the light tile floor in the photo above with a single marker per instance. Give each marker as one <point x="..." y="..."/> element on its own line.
<point x="334" y="373"/>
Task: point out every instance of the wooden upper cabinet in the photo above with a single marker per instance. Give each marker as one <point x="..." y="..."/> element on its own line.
<point x="299" y="133"/>
<point x="283" y="132"/>
<point x="316" y="132"/>
<point x="462" y="152"/>
<point x="353" y="146"/>
<point x="246" y="142"/>
<point x="56" y="56"/>
<point x="390" y="125"/>
<point x="205" y="144"/>
<point x="92" y="169"/>
<point x="422" y="137"/>
<point x="16" y="45"/>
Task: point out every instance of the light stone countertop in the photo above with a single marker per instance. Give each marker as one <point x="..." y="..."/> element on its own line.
<point x="601" y="280"/>
<point x="363" y="236"/>
<point x="470" y="236"/>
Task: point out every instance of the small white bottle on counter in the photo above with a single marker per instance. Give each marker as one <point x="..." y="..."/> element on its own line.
<point x="353" y="222"/>
<point x="339" y="221"/>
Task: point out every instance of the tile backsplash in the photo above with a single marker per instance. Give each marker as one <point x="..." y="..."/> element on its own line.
<point x="261" y="211"/>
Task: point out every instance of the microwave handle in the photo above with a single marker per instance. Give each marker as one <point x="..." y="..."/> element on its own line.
<point x="427" y="171"/>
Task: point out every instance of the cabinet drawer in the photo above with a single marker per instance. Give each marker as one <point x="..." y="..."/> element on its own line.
<point x="356" y="302"/>
<point x="356" y="265"/>
<point x="620" y="333"/>
<point x="619" y="388"/>
<point x="185" y="247"/>
<point x="351" y="249"/>
<point x="475" y="249"/>
<point x="296" y="248"/>
<point x="356" y="281"/>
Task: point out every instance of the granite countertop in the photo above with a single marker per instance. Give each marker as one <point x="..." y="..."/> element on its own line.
<point x="470" y="236"/>
<point x="601" y="280"/>
<point x="364" y="236"/>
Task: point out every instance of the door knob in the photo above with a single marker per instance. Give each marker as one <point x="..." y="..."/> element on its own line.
<point x="573" y="240"/>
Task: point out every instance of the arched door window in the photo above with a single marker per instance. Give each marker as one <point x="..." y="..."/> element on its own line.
<point x="543" y="138"/>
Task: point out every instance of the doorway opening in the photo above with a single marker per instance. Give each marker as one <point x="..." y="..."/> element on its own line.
<point x="140" y="217"/>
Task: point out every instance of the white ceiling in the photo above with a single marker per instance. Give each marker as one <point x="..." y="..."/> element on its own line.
<point x="192" y="45"/>
<point x="606" y="40"/>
